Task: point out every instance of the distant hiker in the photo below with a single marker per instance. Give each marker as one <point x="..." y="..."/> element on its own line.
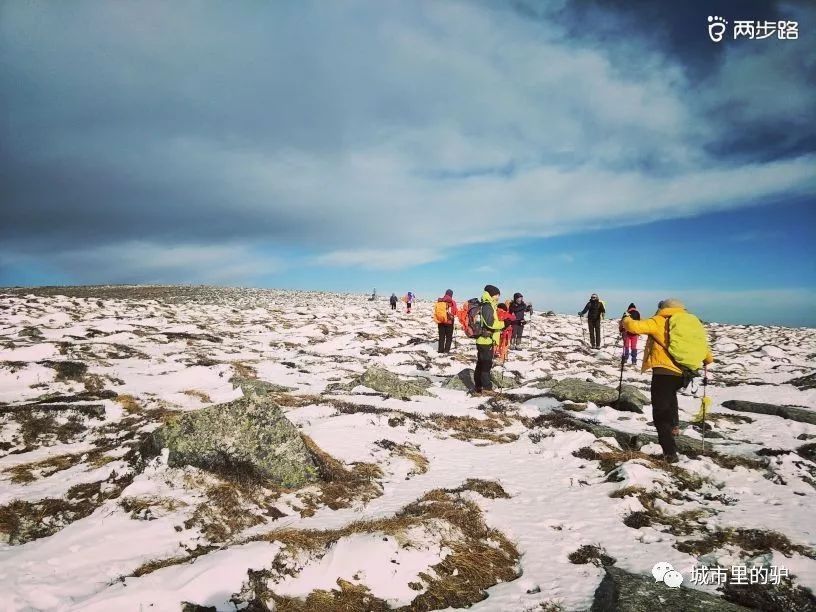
<point x="394" y="300"/>
<point x="489" y="337"/>
<point x="373" y="296"/>
<point x="677" y="346"/>
<point x="409" y="301"/>
<point x="444" y="314"/>
<point x="518" y="307"/>
<point x="630" y="341"/>
<point x="594" y="310"/>
<point x="506" y="336"/>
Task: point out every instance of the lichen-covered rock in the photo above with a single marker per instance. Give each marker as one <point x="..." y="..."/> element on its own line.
<point x="249" y="437"/>
<point x="386" y="382"/>
<point x="803" y="415"/>
<point x="463" y="381"/>
<point x="621" y="591"/>
<point x="582" y="391"/>
<point x="257" y="386"/>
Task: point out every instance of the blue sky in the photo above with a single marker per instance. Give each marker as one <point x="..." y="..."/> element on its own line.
<point x="553" y="148"/>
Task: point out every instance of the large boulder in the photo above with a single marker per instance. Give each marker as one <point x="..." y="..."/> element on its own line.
<point x="249" y="437"/>
<point x="389" y="383"/>
<point x="582" y="391"/>
<point x="463" y="381"/>
<point x="803" y="415"/>
<point x="621" y="591"/>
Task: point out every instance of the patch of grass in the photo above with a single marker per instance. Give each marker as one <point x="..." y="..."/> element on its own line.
<point x="591" y="553"/>
<point x="24" y="473"/>
<point x="752" y="541"/>
<point x="142" y="508"/>
<point x="243" y="370"/>
<point x="200" y="395"/>
<point x="627" y="491"/>
<point x="225" y="513"/>
<point x="68" y="370"/>
<point x="488" y="489"/>
<point x="478" y="561"/>
<point x="409" y="451"/>
<point x="129" y="404"/>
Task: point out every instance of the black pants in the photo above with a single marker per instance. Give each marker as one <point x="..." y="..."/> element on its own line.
<point x="393" y="305"/>
<point x="664" y="409"/>
<point x="445" y="337"/>
<point x="484" y="363"/>
<point x="594" y="332"/>
<point x="518" y="330"/>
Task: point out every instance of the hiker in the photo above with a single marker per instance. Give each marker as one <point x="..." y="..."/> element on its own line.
<point x="394" y="300"/>
<point x="668" y="375"/>
<point x="594" y="310"/>
<point x="630" y="341"/>
<point x="487" y="340"/>
<point x="409" y="301"/>
<point x="506" y="336"/>
<point x="518" y="307"/>
<point x="444" y="313"/>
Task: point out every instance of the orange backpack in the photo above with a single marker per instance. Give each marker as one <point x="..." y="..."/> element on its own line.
<point x="441" y="312"/>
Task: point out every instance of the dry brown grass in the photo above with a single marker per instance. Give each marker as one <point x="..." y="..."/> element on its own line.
<point x="24" y="473"/>
<point x="200" y="395"/>
<point x="339" y="486"/>
<point x="143" y="507"/>
<point x="227" y="511"/>
<point x="242" y="370"/>
<point x="478" y="561"/>
<point x="753" y="541"/>
<point x="129" y="404"/>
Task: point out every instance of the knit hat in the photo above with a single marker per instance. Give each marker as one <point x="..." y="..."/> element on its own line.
<point x="492" y="290"/>
<point x="517" y="296"/>
<point x="449" y="292"/>
<point x="670" y="303"/>
<point x="632" y="305"/>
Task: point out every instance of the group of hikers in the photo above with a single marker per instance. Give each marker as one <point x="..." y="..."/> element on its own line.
<point x="676" y="348"/>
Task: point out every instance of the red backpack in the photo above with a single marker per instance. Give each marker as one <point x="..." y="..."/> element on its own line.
<point x="471" y="318"/>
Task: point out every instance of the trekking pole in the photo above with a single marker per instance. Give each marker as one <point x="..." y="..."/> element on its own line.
<point x="583" y="331"/>
<point x="620" y="382"/>
<point x="704" y="403"/>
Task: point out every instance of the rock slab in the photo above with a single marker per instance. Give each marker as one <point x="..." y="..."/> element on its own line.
<point x="582" y="391"/>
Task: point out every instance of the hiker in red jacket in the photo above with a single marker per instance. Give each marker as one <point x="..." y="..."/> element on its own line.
<point x="444" y="314"/>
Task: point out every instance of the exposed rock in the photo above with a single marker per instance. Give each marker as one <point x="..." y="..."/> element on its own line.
<point x="67" y="370"/>
<point x="581" y="391"/>
<point x="621" y="591"/>
<point x="257" y="386"/>
<point x="386" y="382"/>
<point x="549" y="313"/>
<point x="463" y="381"/>
<point x="249" y="437"/>
<point x="803" y="415"/>
<point x="804" y="382"/>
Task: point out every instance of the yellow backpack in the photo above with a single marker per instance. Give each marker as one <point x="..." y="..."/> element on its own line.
<point x="441" y="312"/>
<point x="687" y="340"/>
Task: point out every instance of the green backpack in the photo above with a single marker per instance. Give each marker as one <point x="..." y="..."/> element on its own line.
<point x="687" y="342"/>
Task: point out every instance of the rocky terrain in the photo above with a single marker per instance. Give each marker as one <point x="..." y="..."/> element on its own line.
<point x="193" y="448"/>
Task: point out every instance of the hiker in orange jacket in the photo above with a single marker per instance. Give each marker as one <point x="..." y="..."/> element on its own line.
<point x="444" y="314"/>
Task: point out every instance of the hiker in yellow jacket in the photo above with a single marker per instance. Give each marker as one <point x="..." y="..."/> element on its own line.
<point x="492" y="326"/>
<point x="667" y="376"/>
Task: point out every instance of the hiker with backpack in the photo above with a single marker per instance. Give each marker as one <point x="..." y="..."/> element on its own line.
<point x="518" y="307"/>
<point x="444" y="314"/>
<point x="409" y="301"/>
<point x="480" y="320"/>
<point x="677" y="347"/>
<point x="394" y="299"/>
<point x="630" y="341"/>
<point x="594" y="310"/>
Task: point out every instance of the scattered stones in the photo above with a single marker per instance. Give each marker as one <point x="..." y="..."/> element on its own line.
<point x="259" y="387"/>
<point x="804" y="382"/>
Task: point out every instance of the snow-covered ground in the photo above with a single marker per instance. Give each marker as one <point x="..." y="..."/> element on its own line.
<point x="85" y="519"/>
